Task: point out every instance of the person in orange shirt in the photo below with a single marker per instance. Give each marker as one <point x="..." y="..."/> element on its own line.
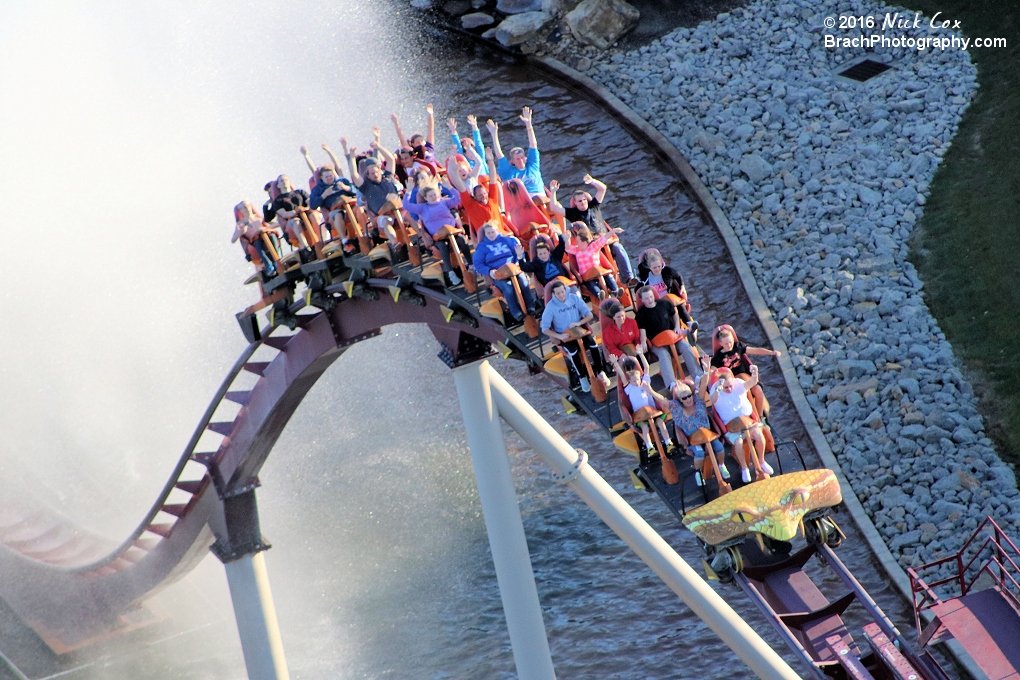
<point x="484" y="203"/>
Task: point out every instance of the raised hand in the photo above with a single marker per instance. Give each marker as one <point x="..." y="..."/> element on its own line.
<point x="554" y="186"/>
<point x="526" y="115"/>
<point x="492" y="126"/>
<point x="303" y="149"/>
<point x="394" y="118"/>
<point x="376" y="132"/>
<point x="452" y="124"/>
<point x="472" y="121"/>
<point x="706" y="362"/>
<point x="429" y="110"/>
<point x="587" y="179"/>
<point x="343" y="143"/>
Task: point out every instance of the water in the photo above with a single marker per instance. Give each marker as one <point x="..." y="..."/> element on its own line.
<point x="161" y="120"/>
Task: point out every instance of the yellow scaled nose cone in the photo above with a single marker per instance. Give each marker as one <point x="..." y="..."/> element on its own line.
<point x="773" y="507"/>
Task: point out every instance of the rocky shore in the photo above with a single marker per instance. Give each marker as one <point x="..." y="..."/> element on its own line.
<point x="823" y="180"/>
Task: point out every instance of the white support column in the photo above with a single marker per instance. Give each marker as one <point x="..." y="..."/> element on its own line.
<point x="635" y="532"/>
<point x="256" y="618"/>
<point x="503" y="523"/>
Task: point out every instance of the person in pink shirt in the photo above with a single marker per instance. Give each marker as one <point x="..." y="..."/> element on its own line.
<point x="587" y="252"/>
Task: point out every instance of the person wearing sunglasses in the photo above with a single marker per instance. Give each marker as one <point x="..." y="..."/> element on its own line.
<point x="690" y="415"/>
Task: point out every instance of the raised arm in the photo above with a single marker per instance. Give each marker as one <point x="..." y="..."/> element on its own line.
<point x="479" y="163"/>
<point x="754" y="378"/>
<point x="476" y="137"/>
<point x="599" y="187"/>
<point x="336" y="161"/>
<point x="493" y="128"/>
<point x="526" y="118"/>
<point x="391" y="160"/>
<point x="431" y="130"/>
<point x="451" y="124"/>
<point x="349" y="154"/>
<point x="454" y="175"/>
<point x="308" y="158"/>
<point x="761" y="352"/>
<point x="554" y="203"/>
<point x="396" y="126"/>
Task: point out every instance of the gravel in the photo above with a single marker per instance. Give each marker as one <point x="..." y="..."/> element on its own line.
<point x="823" y="181"/>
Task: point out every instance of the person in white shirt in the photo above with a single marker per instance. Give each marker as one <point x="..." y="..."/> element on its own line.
<point x="729" y="397"/>
<point x="634" y="383"/>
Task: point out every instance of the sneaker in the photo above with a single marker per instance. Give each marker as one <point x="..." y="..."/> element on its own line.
<point x="454" y="279"/>
<point x="745" y="475"/>
<point x="585" y="385"/>
<point x="767" y="468"/>
<point x="692" y="333"/>
<point x="698" y="479"/>
<point x="724" y="472"/>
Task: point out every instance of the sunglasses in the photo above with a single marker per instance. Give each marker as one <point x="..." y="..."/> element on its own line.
<point x="686" y="397"/>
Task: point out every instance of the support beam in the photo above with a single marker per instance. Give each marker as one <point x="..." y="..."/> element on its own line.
<point x="241" y="551"/>
<point x="634" y="531"/>
<point x="503" y="523"/>
<point x="256" y="618"/>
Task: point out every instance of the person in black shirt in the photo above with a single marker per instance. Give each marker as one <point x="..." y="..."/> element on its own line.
<point x="654" y="317"/>
<point x="284" y="204"/>
<point x="586" y="208"/>
<point x="547" y="264"/>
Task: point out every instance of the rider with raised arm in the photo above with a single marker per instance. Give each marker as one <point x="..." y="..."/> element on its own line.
<point x="423" y="147"/>
<point x="586" y="252"/>
<point x="483" y="203"/>
<point x="376" y="189"/>
<point x="729" y="397"/>
<point x="524" y="166"/>
<point x="328" y="195"/>
<point x="584" y="207"/>
<point x="284" y="207"/>
<point x="548" y="262"/>
<point x="464" y="146"/>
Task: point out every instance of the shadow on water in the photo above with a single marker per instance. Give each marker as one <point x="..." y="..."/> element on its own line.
<point x="380" y="565"/>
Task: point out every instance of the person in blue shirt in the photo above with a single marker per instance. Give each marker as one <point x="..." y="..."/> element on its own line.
<point x="565" y="311"/>
<point x="328" y="194"/>
<point x="524" y="166"/>
<point x="492" y="252"/>
<point x="464" y="145"/>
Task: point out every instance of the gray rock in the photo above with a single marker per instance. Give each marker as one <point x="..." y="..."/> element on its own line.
<point x="518" y="6"/>
<point x="908" y="106"/>
<point x="869" y="196"/>
<point x="909" y="385"/>
<point x="812" y="186"/>
<point x="906" y="538"/>
<point x="855" y="368"/>
<point x="755" y="167"/>
<point x="520" y="28"/>
<point x="476" y="20"/>
<point x="602" y="22"/>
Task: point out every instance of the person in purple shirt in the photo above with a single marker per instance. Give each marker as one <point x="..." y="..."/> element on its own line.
<point x="434" y="214"/>
<point x="524" y="166"/>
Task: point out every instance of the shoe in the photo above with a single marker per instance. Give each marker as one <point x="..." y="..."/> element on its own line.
<point x="745" y="475"/>
<point x="635" y="283"/>
<point x="698" y="479"/>
<point x="692" y="333"/>
<point x="767" y="468"/>
<point x="585" y="385"/>
<point x="517" y="319"/>
<point x="724" y="472"/>
<point x="454" y="279"/>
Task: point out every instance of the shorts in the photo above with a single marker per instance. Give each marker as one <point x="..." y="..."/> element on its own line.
<point x="732" y="437"/>
<point x="699" y="451"/>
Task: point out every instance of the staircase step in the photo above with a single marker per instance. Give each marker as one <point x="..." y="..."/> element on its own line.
<point x="161" y="529"/>
<point x="256" y="367"/>
<point x="224" y="428"/>
<point x="239" y="397"/>
<point x="175" y="509"/>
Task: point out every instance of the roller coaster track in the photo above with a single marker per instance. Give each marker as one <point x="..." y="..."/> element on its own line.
<point x="73" y="587"/>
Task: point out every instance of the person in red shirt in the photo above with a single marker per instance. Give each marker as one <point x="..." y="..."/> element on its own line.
<point x="620" y="333"/>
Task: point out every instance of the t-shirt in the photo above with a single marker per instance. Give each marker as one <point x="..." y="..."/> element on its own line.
<point x="614" y="337"/>
<point x="657" y="284"/>
<point x="480" y="213"/>
<point x="559" y="315"/>
<point x="341" y="187"/>
<point x="736" y="359"/>
<point x="638" y="397"/>
<point x="733" y="404"/>
<point x="376" y="193"/>
<point x="592" y="217"/>
<point x="654" y="320"/>
<point x="531" y="175"/>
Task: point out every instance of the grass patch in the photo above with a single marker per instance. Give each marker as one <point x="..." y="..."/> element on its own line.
<point x="967" y="248"/>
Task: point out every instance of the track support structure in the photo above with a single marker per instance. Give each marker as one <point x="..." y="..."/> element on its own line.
<point x="242" y="553"/>
<point x="485" y="397"/>
<point x="503" y="523"/>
